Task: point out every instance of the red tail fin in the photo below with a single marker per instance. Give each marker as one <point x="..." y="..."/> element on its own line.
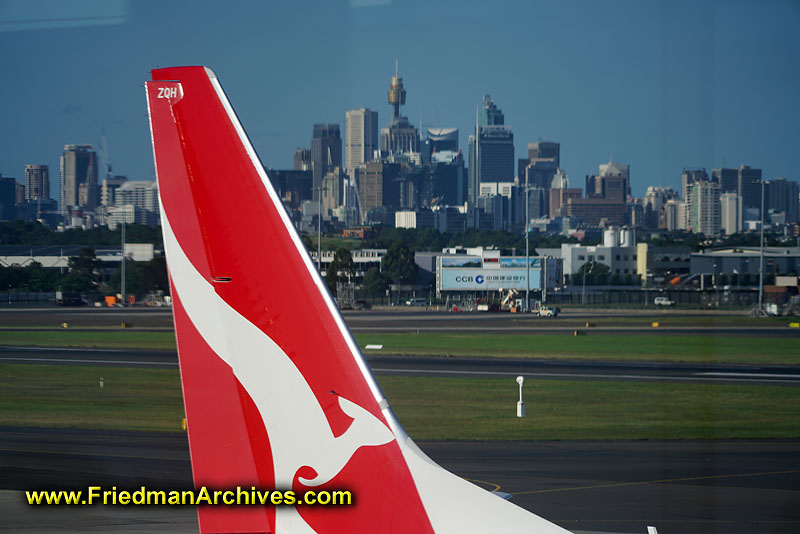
<point x="277" y="393"/>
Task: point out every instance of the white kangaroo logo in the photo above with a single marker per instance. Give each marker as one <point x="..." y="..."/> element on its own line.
<point x="299" y="432"/>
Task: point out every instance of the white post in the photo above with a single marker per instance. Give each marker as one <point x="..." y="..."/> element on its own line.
<point x="520" y="404"/>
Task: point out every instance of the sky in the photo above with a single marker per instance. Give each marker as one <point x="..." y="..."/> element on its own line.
<point x="660" y="86"/>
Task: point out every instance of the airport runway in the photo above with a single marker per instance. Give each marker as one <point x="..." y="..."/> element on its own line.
<point x="452" y="367"/>
<point x="681" y="487"/>
<point x="616" y="322"/>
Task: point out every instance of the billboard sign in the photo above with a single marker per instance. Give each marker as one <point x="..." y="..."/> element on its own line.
<point x="451" y="279"/>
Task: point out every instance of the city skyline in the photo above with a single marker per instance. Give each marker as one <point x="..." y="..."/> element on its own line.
<point x="659" y="86"/>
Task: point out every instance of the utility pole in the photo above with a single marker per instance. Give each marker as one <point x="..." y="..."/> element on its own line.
<point x="122" y="267"/>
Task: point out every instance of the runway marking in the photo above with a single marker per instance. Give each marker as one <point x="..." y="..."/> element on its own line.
<point x="495" y="487"/>
<point x="59" y="349"/>
<point x="577" y="375"/>
<point x="113" y="362"/>
<point x="97" y="455"/>
<point x="723" y="377"/>
<point x="662" y="481"/>
<point x="749" y="374"/>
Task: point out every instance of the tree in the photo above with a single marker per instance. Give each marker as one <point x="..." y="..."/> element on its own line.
<point x="341" y="268"/>
<point x="596" y="273"/>
<point x="374" y="282"/>
<point x="142" y="276"/>
<point x="84" y="271"/>
<point x="399" y="265"/>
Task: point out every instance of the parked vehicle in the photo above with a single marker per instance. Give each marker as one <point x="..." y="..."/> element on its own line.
<point x="663" y="301"/>
<point x="361" y="305"/>
<point x="544" y="311"/>
<point x="68" y="298"/>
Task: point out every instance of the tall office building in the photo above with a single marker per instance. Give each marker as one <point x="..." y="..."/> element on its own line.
<point x="78" y="178"/>
<point x="361" y="137"/>
<point x="655" y="198"/>
<point x="744" y="181"/>
<point x="690" y="176"/>
<point x="730" y="213"/>
<point x="400" y="136"/>
<point x="141" y="193"/>
<point x="749" y="187"/>
<point x="703" y="207"/>
<point x="8" y="198"/>
<point x="545" y="150"/>
<point x="439" y="140"/>
<point x="728" y="179"/>
<point x="108" y="189"/>
<point x="37" y="182"/>
<point x="491" y="158"/>
<point x="490" y="114"/>
<point x="781" y="195"/>
<point x="302" y="159"/>
<point x="371" y="186"/>
<point x="326" y="153"/>
<point x="674" y="215"/>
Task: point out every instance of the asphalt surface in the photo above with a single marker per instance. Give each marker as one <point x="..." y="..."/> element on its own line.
<point x="687" y="487"/>
<point x="621" y="487"/>
<point x="616" y="322"/>
<point x="452" y="367"/>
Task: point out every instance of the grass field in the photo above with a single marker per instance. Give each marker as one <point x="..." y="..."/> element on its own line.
<point x="112" y="339"/>
<point x="428" y="407"/>
<point x="628" y="347"/>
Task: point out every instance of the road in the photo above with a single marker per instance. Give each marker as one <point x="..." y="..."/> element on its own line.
<point x="687" y="487"/>
<point x="453" y="367"/>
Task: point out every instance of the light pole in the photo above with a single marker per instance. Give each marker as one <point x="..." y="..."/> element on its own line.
<point x="319" y="228"/>
<point x="761" y="260"/>
<point x="544" y="281"/>
<point x="583" y="289"/>
<point x="520" y="403"/>
<point x="122" y="267"/>
<point x="527" y="251"/>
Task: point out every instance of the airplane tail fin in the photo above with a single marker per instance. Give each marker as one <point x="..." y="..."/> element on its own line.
<point x="276" y="391"/>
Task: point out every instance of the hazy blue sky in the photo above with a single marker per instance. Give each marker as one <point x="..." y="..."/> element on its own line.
<point x="660" y="85"/>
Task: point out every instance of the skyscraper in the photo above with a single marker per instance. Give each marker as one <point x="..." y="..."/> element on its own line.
<point x="654" y="201"/>
<point x="730" y="213"/>
<point x="326" y="152"/>
<point x="78" y="178"/>
<point x="690" y="176"/>
<point x="728" y="179"/>
<point x="703" y="207"/>
<point x="400" y="136"/>
<point x="302" y="159"/>
<point x="37" y="182"/>
<point x="490" y="114"/>
<point x="8" y="198"/>
<point x="545" y="150"/>
<point x="749" y="187"/>
<point x="781" y="195"/>
<point x="611" y="183"/>
<point x="491" y="158"/>
<point x="361" y="137"/>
